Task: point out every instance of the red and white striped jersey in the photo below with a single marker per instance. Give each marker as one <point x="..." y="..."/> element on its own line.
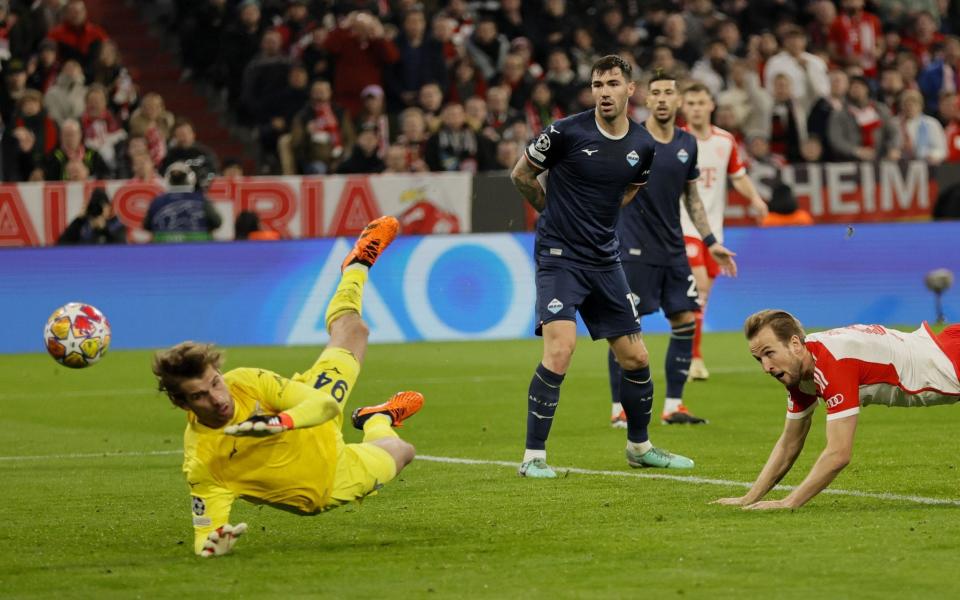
<point x="717" y="158"/>
<point x="870" y="364"/>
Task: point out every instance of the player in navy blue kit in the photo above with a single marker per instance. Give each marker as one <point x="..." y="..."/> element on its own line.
<point x="597" y="161"/>
<point x="653" y="250"/>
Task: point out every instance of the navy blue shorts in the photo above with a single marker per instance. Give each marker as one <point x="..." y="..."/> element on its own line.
<point x="671" y="288"/>
<point x="602" y="298"/>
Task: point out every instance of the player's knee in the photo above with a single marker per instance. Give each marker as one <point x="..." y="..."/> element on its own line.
<point x="636" y="359"/>
<point x="403" y="452"/>
<point x="558" y="356"/>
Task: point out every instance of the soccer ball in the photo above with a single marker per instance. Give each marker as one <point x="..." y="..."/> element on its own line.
<point x="77" y="335"/>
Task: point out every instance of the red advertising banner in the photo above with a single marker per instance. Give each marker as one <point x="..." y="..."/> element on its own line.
<point x="846" y="192"/>
<point x="34" y="214"/>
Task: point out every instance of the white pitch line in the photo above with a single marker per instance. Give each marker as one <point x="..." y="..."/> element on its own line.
<point x="503" y="463"/>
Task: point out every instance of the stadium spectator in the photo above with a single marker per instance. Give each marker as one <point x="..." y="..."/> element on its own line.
<point x="97" y="225"/>
<point x="65" y="99"/>
<point x="552" y="28"/>
<point x="758" y="148"/>
<point x="106" y="68"/>
<point x="923" y="136"/>
<point x="37" y="134"/>
<point x="713" y="69"/>
<point x="231" y="168"/>
<point x="582" y="52"/>
<point x="365" y="157"/>
<point x="421" y="61"/>
<point x="811" y="150"/>
<point x="184" y="148"/>
<point x="314" y="55"/>
<point x="942" y="74"/>
<point x="788" y="119"/>
<point x="924" y="37"/>
<point x="784" y="210"/>
<point x="890" y="88"/>
<point x="951" y="112"/>
<point x="516" y="77"/>
<point x="444" y="30"/>
<point x="863" y="129"/>
<point x="266" y="73"/>
<point x="607" y="30"/>
<point x="319" y="135"/>
<point x="247" y="227"/>
<point x="46" y="65"/>
<point x="662" y="59"/>
<point x="71" y="149"/>
<point x="182" y="213"/>
<point x="143" y="169"/>
<point x="848" y="367"/>
<point x="295" y="24"/>
<point x="363" y="53"/>
<point x="431" y="103"/>
<point x="499" y="111"/>
<point x="15" y="34"/>
<point x="277" y="116"/>
<point x="540" y="111"/>
<point x="819" y="118"/>
<point x="14" y="87"/>
<point x="807" y="72"/>
<point x="413" y="138"/>
<point x="77" y="38"/>
<point x="855" y="38"/>
<point x="44" y="16"/>
<point x="395" y="160"/>
<point x="909" y="68"/>
<point x="309" y="469"/>
<point x="466" y="82"/>
<point x="487" y="47"/>
<point x="101" y="130"/>
<point x="374" y="112"/>
<point x="507" y="155"/>
<point x="237" y="47"/>
<point x="703" y="19"/>
<point x="562" y="79"/>
<point x="729" y="32"/>
<point x="824" y="13"/>
<point x="510" y="19"/>
<point x="750" y="103"/>
<point x="455" y="147"/>
<point x="154" y="122"/>
<point x="475" y="114"/>
<point x="675" y="37"/>
<point x="200" y="36"/>
<point x="135" y="146"/>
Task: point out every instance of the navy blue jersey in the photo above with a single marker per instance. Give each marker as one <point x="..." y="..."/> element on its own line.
<point x="589" y="172"/>
<point x="649" y="229"/>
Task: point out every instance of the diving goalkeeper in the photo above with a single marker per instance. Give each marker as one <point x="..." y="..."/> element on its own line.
<point x="268" y="439"/>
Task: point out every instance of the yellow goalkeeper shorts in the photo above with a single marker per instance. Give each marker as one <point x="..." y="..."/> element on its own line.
<point x="362" y="469"/>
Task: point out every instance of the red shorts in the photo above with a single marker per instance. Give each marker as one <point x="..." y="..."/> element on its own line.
<point x="699" y="256"/>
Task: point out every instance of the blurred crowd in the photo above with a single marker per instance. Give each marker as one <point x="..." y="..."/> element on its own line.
<point x="370" y="86"/>
<point x="367" y="86"/>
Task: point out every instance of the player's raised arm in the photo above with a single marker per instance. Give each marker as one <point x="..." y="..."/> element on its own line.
<point x="524" y="177"/>
<point x="782" y="457"/>
<point x="832" y="460"/>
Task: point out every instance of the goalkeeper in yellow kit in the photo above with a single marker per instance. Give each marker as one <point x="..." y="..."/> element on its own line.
<point x="257" y="435"/>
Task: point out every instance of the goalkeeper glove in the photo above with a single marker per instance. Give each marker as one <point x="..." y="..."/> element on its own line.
<point x="221" y="541"/>
<point x="261" y="425"/>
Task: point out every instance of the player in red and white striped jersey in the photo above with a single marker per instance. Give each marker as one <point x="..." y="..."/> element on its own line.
<point x="717" y="159"/>
<point x="847" y="368"/>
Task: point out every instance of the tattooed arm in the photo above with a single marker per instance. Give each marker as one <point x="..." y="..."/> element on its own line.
<point x="698" y="214"/>
<point x="524" y="177"/>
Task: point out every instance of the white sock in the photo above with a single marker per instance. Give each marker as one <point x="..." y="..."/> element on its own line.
<point x="671" y="405"/>
<point x="639" y="447"/>
<point x="616" y="409"/>
<point x="529" y="454"/>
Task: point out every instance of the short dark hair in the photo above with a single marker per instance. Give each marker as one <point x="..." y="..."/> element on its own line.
<point x="611" y="62"/>
<point x="183" y="122"/>
<point x="661" y="75"/>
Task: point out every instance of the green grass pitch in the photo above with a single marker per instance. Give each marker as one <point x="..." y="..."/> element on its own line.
<point x="93" y="504"/>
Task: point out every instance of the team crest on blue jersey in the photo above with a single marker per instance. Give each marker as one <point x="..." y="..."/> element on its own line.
<point x="633" y="158"/>
<point x="543" y="143"/>
<point x="683" y="155"/>
<point x="555" y="306"/>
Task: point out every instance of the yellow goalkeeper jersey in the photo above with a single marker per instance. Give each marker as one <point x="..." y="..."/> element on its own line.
<point x="292" y="470"/>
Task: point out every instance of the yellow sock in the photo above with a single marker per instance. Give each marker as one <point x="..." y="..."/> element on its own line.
<point x="349" y="294"/>
<point x="378" y="427"/>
